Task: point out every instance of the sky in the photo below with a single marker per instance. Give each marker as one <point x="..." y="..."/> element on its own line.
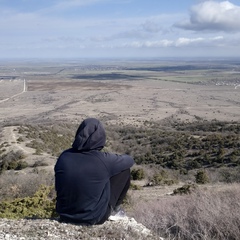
<point x="119" y="28"/>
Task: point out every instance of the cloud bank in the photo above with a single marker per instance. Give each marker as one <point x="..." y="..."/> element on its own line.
<point x="213" y="16"/>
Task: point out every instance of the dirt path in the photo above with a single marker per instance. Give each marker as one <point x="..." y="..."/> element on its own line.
<point x="10" y="137"/>
<point x="237" y="86"/>
<point x="15" y="95"/>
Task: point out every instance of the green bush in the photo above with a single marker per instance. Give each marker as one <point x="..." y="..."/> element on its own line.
<point x="161" y="178"/>
<point x="229" y="175"/>
<point x="137" y="174"/>
<point x="40" y="205"/>
<point x="135" y="187"/>
<point x="157" y="179"/>
<point x="20" y="139"/>
<point x="13" y="165"/>
<point x="201" y="177"/>
<point x="49" y="139"/>
<point x="21" y="165"/>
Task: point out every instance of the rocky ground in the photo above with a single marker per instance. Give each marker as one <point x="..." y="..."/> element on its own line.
<point x="42" y="229"/>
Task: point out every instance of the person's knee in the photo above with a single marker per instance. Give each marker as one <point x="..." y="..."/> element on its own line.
<point x="126" y="172"/>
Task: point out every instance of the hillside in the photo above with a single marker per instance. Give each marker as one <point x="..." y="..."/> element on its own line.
<point x="177" y="146"/>
<point x="168" y="155"/>
<point x="180" y="122"/>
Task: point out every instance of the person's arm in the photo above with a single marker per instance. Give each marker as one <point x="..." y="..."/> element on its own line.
<point x="117" y="163"/>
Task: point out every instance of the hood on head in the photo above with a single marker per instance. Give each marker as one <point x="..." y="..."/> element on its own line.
<point x="90" y="135"/>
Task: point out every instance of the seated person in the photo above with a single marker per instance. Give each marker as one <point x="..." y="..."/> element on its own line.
<point x="90" y="183"/>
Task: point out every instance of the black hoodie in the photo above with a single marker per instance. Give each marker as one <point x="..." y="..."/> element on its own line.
<point x="83" y="172"/>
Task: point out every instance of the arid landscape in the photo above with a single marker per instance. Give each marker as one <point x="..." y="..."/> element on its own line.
<point x="122" y="94"/>
<point x="117" y="92"/>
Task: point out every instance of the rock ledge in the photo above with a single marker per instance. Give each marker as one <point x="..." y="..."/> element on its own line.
<point x="42" y="229"/>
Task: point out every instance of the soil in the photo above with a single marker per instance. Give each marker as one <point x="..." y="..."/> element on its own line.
<point x="126" y="102"/>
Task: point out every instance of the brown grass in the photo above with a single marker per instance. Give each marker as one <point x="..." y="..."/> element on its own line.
<point x="205" y="214"/>
<point x="14" y="184"/>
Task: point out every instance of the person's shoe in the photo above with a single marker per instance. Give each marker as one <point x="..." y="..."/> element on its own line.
<point x="117" y="213"/>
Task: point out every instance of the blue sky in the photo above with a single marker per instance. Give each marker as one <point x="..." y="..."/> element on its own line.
<point x="119" y="28"/>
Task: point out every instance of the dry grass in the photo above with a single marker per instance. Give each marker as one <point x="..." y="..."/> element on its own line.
<point x="14" y="184"/>
<point x="205" y="214"/>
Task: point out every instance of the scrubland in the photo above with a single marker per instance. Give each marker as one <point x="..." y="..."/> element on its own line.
<point x="176" y="190"/>
<point x="207" y="213"/>
<point x="180" y="123"/>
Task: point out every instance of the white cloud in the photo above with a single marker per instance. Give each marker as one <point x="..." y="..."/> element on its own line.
<point x="149" y="44"/>
<point x="179" y="42"/>
<point x="213" y="16"/>
<point x="187" y="41"/>
<point x="161" y="43"/>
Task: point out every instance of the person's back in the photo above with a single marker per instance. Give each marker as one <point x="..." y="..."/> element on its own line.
<point x="83" y="177"/>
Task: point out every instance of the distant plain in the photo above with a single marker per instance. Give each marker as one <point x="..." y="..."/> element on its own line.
<point x="119" y="92"/>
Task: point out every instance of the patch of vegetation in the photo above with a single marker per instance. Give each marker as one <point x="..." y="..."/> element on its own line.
<point x="3" y="147"/>
<point x="209" y="126"/>
<point x="19" y="185"/>
<point x="185" y="189"/>
<point x="106" y="76"/>
<point x="137" y="174"/>
<point x="48" y="139"/>
<point x="135" y="187"/>
<point x="40" y="205"/>
<point x="161" y="178"/>
<point x="229" y="175"/>
<point x="201" y="177"/>
<point x="20" y="139"/>
<point x="13" y="160"/>
<point x="203" y="214"/>
<point x="180" y="146"/>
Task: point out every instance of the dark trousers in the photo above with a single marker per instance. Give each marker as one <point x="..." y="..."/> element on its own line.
<point x="119" y="185"/>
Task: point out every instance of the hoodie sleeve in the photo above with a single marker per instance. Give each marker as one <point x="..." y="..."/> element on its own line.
<point x="117" y="163"/>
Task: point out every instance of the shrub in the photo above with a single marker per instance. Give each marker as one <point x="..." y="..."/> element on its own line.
<point x="49" y="139"/>
<point x="37" y="206"/>
<point x="229" y="175"/>
<point x="135" y="187"/>
<point x="137" y="174"/>
<point x="21" y="165"/>
<point x="13" y="165"/>
<point x="20" y="139"/>
<point x="13" y="155"/>
<point x="161" y="178"/>
<point x="201" y="177"/>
